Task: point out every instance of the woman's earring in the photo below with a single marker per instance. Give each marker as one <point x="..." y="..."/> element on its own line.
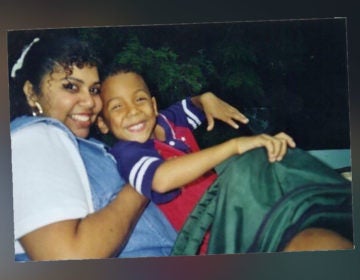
<point x="37" y="110"/>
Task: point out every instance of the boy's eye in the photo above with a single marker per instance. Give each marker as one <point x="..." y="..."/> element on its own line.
<point x="115" y="107"/>
<point x="141" y="98"/>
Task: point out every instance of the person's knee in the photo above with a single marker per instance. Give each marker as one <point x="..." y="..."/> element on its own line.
<point x="317" y="239"/>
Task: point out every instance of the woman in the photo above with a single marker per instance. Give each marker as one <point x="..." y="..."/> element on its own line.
<point x="69" y="201"/>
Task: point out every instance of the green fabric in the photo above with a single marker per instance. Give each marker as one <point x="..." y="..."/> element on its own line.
<point x="257" y="206"/>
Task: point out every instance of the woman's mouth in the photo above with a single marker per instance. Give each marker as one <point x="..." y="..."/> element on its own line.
<point x="83" y="120"/>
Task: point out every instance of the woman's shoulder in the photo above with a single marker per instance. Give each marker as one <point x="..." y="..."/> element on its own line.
<point x="41" y="143"/>
<point x="28" y="121"/>
<point x="28" y="127"/>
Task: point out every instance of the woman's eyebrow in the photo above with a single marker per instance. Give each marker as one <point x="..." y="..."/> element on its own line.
<point x="79" y="80"/>
<point x="74" y="79"/>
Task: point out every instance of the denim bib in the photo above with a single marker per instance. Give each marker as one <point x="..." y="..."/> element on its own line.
<point x="152" y="235"/>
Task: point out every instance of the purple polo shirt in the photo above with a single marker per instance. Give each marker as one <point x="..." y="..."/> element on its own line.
<point x="137" y="162"/>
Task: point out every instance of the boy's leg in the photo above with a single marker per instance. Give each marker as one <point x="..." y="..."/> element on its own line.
<point x="317" y="239"/>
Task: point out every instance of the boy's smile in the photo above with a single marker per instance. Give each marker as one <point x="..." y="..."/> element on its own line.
<point x="136" y="127"/>
<point x="129" y="111"/>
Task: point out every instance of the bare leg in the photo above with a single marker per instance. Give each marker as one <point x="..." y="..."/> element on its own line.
<point x="317" y="239"/>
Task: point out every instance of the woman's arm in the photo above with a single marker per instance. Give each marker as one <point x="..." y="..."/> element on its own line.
<point x="99" y="235"/>
<point x="53" y="214"/>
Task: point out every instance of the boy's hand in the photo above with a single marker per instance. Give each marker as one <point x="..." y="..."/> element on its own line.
<point x="215" y="108"/>
<point x="276" y="145"/>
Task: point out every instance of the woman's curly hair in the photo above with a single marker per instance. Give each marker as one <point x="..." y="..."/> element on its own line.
<point x="41" y="60"/>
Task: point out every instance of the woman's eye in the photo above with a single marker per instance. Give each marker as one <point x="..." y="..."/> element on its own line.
<point x="95" y="90"/>
<point x="70" y="87"/>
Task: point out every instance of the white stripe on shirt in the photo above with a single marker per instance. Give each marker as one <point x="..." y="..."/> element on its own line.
<point x="169" y="125"/>
<point x="138" y="171"/>
<point x="191" y="122"/>
<point x="195" y="120"/>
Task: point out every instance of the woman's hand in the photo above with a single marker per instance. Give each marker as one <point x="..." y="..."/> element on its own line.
<point x="215" y="108"/>
<point x="276" y="145"/>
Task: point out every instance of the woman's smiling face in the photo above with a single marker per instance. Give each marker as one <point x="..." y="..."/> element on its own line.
<point x="72" y="98"/>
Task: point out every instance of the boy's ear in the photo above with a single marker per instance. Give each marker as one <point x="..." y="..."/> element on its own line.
<point x="104" y="129"/>
<point x="31" y="97"/>
<point x="154" y="105"/>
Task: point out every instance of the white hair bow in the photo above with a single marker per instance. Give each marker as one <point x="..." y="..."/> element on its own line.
<point x="20" y="61"/>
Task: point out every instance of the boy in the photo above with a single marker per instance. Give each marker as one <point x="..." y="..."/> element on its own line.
<point x="157" y="152"/>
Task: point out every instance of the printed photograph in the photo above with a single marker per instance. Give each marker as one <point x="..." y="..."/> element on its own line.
<point x="180" y="139"/>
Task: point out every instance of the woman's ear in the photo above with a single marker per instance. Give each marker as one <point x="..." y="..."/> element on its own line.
<point x="28" y="89"/>
<point x="104" y="129"/>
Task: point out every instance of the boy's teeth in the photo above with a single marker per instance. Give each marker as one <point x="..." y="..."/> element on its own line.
<point x="136" y="127"/>
<point x="82" y="118"/>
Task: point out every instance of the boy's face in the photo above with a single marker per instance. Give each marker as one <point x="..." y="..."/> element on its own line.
<point x="129" y="111"/>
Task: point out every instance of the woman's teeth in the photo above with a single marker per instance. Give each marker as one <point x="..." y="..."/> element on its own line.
<point x="82" y="118"/>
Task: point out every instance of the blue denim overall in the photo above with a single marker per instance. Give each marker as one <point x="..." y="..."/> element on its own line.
<point x="152" y="235"/>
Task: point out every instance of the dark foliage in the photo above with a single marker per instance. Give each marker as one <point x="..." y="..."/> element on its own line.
<point x="285" y="75"/>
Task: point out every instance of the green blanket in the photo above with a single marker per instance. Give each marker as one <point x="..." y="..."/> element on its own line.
<point x="258" y="206"/>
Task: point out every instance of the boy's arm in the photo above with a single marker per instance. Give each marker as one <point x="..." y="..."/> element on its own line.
<point x="215" y="108"/>
<point x="137" y="164"/>
<point x="176" y="172"/>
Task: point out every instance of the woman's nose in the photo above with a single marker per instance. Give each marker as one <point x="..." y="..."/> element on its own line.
<point x="87" y="99"/>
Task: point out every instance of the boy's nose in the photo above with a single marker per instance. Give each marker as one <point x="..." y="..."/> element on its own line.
<point x="132" y="110"/>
